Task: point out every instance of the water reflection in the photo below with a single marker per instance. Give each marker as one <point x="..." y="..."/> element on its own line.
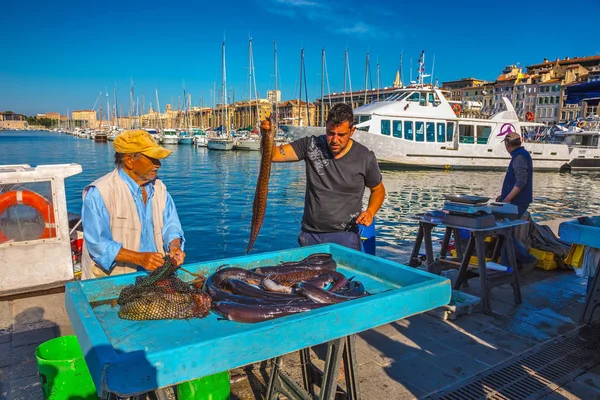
<point x="214" y="192"/>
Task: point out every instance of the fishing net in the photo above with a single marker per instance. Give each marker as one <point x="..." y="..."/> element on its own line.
<point x="162" y="295"/>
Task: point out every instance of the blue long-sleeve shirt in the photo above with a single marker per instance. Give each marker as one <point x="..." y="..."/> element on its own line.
<point x="96" y="223"/>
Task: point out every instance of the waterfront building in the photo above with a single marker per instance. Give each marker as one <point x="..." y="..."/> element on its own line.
<point x="548" y="101"/>
<point x="297" y="114"/>
<point x="249" y="113"/>
<point x="10" y="120"/>
<point x="274" y="96"/>
<point x="85" y="118"/>
<point x="456" y="88"/>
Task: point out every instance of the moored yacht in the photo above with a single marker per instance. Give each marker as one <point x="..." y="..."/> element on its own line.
<point x="170" y="136"/>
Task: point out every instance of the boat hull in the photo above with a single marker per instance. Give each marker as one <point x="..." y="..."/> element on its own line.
<point x="186" y="140"/>
<point x="220" y="144"/>
<point x="170" y="140"/>
<point x="248" y="145"/>
<point x="398" y="153"/>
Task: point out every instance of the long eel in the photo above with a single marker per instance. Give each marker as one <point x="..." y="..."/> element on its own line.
<point x="258" y="313"/>
<point x="322" y="296"/>
<point x="262" y="185"/>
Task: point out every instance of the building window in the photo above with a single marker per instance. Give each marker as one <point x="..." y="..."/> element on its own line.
<point x="397" y="131"/>
<point x="419" y="131"/>
<point x="408" y="130"/>
<point x="385" y="127"/>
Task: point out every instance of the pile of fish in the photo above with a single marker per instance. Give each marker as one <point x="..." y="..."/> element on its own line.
<point x="161" y="295"/>
<point x="265" y="293"/>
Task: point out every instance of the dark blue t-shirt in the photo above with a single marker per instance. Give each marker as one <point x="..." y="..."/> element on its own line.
<point x="334" y="187"/>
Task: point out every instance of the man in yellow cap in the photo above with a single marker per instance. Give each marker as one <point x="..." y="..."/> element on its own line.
<point x="129" y="219"/>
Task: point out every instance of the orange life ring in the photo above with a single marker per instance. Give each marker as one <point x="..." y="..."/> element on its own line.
<point x="457" y="108"/>
<point x="35" y="201"/>
<point x="529" y="116"/>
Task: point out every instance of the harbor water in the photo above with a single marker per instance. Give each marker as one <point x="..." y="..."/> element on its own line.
<point x="214" y="192"/>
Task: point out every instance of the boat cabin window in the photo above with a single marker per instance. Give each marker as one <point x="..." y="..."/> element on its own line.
<point x="430" y="128"/>
<point x="364" y="128"/>
<point x="397" y="131"/>
<point x="385" y="127"/>
<point x="415" y="96"/>
<point x="450" y="133"/>
<point x="419" y="131"/>
<point x="361" y="118"/>
<point x="441" y="133"/>
<point x="466" y="133"/>
<point x="408" y="130"/>
<point x="483" y="134"/>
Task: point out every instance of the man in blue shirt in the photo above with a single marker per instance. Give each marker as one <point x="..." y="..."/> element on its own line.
<point x="129" y="219"/>
<point x="517" y="189"/>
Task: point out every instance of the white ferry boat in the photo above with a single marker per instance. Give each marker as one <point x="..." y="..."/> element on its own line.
<point x="418" y="128"/>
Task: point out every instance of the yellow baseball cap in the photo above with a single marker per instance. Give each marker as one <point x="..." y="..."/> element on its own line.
<point x="139" y="141"/>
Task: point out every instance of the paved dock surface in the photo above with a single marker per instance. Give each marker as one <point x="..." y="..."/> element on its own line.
<point x="411" y="358"/>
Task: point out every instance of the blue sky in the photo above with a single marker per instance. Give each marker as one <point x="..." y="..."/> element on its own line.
<point x="59" y="55"/>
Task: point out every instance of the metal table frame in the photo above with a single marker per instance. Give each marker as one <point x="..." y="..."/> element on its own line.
<point x="489" y="279"/>
<point x="339" y="350"/>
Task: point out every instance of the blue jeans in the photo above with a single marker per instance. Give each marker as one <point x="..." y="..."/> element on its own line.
<point x="349" y="239"/>
<point x="521" y="253"/>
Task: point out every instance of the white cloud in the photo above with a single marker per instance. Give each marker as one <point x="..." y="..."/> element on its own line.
<point x="298" y="3"/>
<point x="361" y="29"/>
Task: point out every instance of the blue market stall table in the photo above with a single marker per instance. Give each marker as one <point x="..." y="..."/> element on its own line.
<point x="504" y="230"/>
<point x="132" y="357"/>
<point x="585" y="231"/>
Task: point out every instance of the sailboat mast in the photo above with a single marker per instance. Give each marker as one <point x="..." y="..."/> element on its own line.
<point x="158" y="107"/>
<point x="378" y="78"/>
<point x="366" y="76"/>
<point x="274" y="120"/>
<point x="322" y="87"/>
<point x="345" y="70"/>
<point x="100" y="127"/>
<point x="107" y="106"/>
<point x="305" y="91"/>
<point x="300" y="89"/>
<point x="257" y="120"/>
<point x="350" y="83"/>
<point x="224" y="88"/>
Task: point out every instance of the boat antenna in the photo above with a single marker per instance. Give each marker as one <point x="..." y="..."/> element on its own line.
<point x="432" y="69"/>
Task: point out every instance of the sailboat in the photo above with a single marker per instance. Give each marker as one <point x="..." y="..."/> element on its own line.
<point x="251" y="140"/>
<point x="224" y="141"/>
<point x="186" y="136"/>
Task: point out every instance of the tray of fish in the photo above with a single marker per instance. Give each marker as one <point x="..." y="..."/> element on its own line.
<point x="249" y="309"/>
